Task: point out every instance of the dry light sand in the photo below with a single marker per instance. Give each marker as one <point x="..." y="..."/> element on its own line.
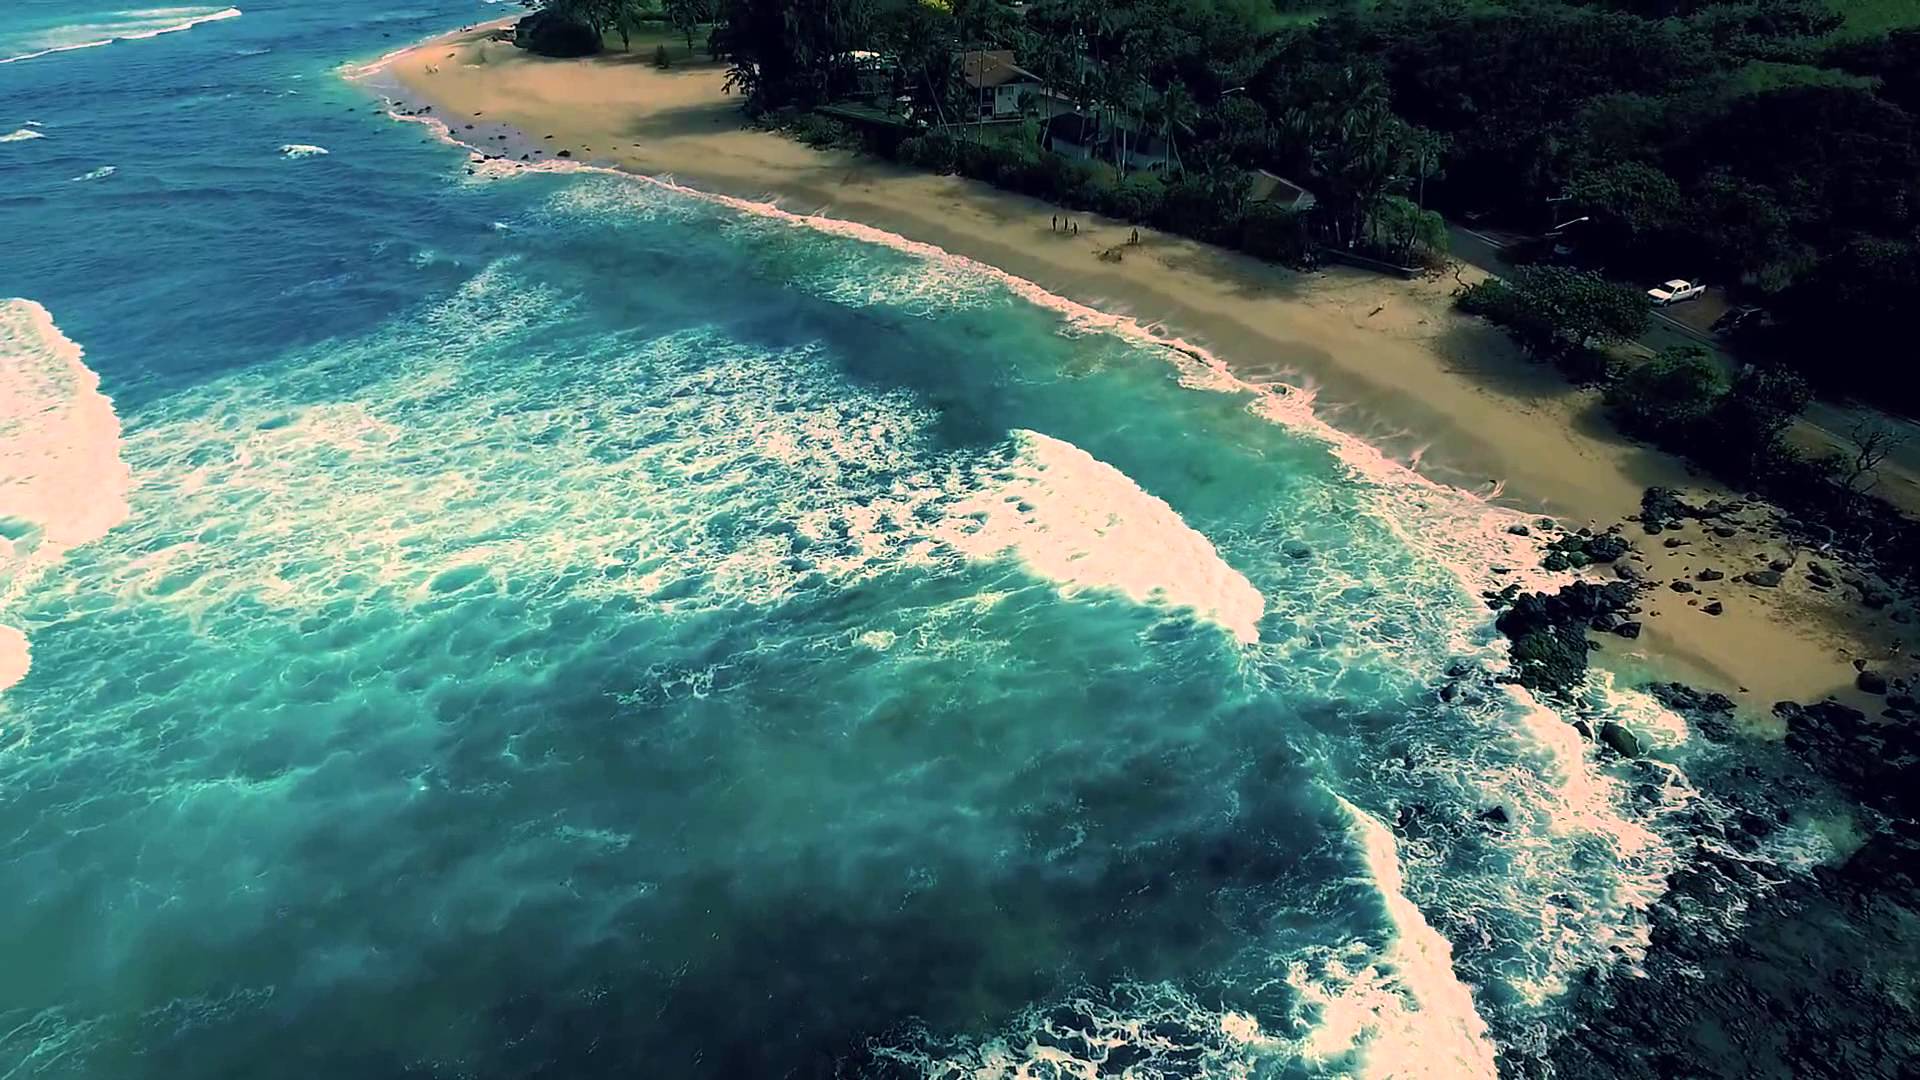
<point x="1389" y="360"/>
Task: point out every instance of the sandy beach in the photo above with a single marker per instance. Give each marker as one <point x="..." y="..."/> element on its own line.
<point x="1388" y="360"/>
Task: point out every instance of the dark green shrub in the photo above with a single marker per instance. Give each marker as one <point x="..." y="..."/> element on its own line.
<point x="552" y="34"/>
<point x="1273" y="232"/>
<point x="1671" y="399"/>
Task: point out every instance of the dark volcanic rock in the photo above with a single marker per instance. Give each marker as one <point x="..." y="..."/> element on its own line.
<point x="1869" y="759"/>
<point x="1624" y="742"/>
<point x="1549" y="632"/>
<point x="1871" y="682"/>
<point x="1583" y="548"/>
<point x="1628" y="629"/>
<point x="1766" y="579"/>
<point x="1708" y="713"/>
<point x="1662" y="508"/>
<point x="1812" y="983"/>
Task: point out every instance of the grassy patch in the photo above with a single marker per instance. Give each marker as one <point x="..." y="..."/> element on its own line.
<point x="1866" y="18"/>
<point x="1759" y="76"/>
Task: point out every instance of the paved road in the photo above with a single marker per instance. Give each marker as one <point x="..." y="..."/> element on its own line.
<point x="1826" y="425"/>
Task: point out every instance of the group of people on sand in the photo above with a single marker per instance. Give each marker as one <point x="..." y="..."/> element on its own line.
<point x="1072" y="228"/>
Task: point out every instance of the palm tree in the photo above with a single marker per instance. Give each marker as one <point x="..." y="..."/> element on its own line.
<point x="1178" y="112"/>
<point x="1426" y="156"/>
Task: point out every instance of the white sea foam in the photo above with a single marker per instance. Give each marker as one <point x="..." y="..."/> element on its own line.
<point x="122" y="26"/>
<point x="1082" y="524"/>
<point x="62" y="482"/>
<point x="100" y="173"/>
<point x="302" y="150"/>
<point x="1425" y="1023"/>
<point x="21" y="135"/>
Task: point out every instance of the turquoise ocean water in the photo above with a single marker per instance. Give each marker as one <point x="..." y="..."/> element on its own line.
<point x="557" y="624"/>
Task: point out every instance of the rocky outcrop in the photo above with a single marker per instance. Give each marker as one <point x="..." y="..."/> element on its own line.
<point x="1811" y="983"/>
<point x="1871" y="759"/>
<point x="1753" y="970"/>
<point x="1549" y="632"/>
<point x="1576" y="550"/>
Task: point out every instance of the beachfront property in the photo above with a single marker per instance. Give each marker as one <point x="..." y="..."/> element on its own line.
<point x="1279" y="191"/>
<point x="997" y="86"/>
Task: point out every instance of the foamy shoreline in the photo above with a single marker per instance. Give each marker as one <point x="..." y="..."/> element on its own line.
<point x="1407" y="391"/>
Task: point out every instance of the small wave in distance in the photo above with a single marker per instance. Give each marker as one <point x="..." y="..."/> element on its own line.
<point x="126" y="26"/>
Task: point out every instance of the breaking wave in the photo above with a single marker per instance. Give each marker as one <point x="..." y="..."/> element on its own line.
<point x="62" y="482"/>
<point x="121" y="26"/>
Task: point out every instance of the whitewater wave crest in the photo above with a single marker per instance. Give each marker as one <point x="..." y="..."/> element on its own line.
<point x="136" y="25"/>
<point x="302" y="150"/>
<point x="1081" y="523"/>
<point x="62" y="482"/>
<point x="100" y="173"/>
<point x="21" y="135"/>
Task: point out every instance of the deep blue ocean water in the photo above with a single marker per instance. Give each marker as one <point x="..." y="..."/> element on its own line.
<point x="555" y="624"/>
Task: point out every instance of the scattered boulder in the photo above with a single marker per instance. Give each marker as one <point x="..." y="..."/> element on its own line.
<point x="1519" y="530"/>
<point x="1629" y="629"/>
<point x="1497" y="815"/>
<point x="1297" y="549"/>
<point x="1662" y="508"/>
<point x="1681" y="586"/>
<point x="1766" y="579"/>
<point x="1715" y="607"/>
<point x="1709" y="574"/>
<point x="1871" y="682"/>
<point x="1583" y="548"/>
<point x="1622" y="741"/>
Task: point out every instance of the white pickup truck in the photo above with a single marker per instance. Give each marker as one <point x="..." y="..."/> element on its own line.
<point x="1672" y="292"/>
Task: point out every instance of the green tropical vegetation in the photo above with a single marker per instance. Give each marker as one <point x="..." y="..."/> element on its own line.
<point x="1568" y="316"/>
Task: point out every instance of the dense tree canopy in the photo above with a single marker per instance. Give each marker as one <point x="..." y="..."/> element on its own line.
<point x="1727" y="140"/>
